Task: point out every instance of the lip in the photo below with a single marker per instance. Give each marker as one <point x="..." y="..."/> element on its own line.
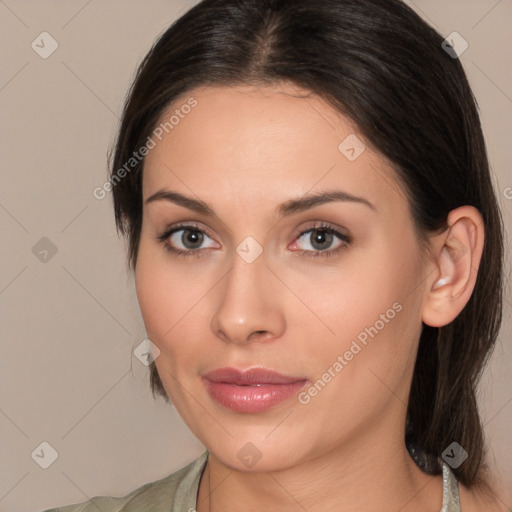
<point x="251" y="391"/>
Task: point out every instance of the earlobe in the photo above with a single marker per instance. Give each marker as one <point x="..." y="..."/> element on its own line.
<point x="458" y="252"/>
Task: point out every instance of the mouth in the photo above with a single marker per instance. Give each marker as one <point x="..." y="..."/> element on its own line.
<point x="251" y="391"/>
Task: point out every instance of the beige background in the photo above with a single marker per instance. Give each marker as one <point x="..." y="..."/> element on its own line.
<point x="69" y="325"/>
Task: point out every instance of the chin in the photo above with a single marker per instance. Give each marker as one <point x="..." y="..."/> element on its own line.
<point x="255" y="453"/>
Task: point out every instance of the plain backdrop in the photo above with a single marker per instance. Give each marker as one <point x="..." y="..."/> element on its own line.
<point x="69" y="315"/>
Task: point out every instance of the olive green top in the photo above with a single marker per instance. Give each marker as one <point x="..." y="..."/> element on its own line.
<point x="178" y="493"/>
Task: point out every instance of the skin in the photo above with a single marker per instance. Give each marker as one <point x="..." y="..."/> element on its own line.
<point x="244" y="151"/>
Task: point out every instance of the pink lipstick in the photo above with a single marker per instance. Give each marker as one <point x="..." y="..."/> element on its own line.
<point x="251" y="391"/>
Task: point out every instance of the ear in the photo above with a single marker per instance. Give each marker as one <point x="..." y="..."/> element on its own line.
<point x="457" y="254"/>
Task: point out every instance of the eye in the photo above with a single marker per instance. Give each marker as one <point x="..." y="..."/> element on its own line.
<point x="318" y="241"/>
<point x="186" y="240"/>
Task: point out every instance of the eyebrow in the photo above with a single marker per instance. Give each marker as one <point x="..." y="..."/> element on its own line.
<point x="287" y="208"/>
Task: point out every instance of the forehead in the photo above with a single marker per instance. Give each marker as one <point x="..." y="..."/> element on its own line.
<point x="263" y="145"/>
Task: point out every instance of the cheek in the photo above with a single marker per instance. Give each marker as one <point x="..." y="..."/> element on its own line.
<point x="374" y="317"/>
<point x="157" y="293"/>
<point x="150" y="289"/>
<point x="164" y="312"/>
<point x="361" y="291"/>
<point x="170" y="300"/>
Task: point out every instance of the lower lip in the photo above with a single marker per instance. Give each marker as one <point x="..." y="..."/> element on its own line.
<point x="251" y="399"/>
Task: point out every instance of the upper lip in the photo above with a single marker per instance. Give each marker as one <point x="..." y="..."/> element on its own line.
<point x="249" y="377"/>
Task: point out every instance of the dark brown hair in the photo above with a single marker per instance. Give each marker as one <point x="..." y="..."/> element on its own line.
<point x="380" y="64"/>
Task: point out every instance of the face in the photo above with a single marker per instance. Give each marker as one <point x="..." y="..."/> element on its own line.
<point x="278" y="274"/>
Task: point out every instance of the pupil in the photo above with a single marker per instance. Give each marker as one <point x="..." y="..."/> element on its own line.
<point x="192" y="239"/>
<point x="323" y="239"/>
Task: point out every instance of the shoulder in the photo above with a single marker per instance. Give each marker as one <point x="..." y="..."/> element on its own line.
<point x="176" y="489"/>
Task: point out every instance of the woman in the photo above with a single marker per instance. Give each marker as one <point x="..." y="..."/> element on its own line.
<point x="317" y="251"/>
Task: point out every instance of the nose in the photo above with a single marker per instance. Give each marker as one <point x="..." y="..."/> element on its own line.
<point x="249" y="307"/>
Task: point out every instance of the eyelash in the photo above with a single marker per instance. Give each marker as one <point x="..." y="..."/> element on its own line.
<point x="197" y="253"/>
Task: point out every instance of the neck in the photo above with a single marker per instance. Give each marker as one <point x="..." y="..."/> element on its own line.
<point x="369" y="474"/>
